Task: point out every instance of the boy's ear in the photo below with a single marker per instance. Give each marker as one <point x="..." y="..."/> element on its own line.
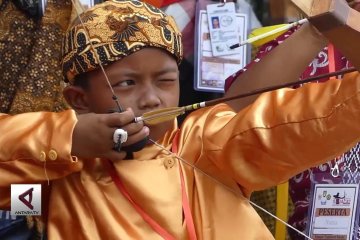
<point x="76" y="98"/>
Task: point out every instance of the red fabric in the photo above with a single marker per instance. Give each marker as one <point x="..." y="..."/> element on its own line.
<point x="300" y="185"/>
<point x="147" y="218"/>
<point x="331" y="55"/>
<point x="161" y="3"/>
<point x="186" y="14"/>
<point x="319" y="65"/>
<point x="168" y="2"/>
<point x="186" y="206"/>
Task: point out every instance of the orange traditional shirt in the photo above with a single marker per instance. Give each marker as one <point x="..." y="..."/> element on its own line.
<point x="282" y="133"/>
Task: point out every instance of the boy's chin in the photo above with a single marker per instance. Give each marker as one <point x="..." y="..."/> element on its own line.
<point x="158" y="131"/>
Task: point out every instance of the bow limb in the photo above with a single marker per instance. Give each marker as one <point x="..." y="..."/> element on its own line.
<point x="338" y="22"/>
<point x="280" y="66"/>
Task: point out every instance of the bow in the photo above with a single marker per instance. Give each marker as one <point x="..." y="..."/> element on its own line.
<point x="164" y="114"/>
<point x="335" y="19"/>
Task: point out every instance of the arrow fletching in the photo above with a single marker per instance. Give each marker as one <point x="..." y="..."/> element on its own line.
<point x="161" y="115"/>
<point x="166" y="114"/>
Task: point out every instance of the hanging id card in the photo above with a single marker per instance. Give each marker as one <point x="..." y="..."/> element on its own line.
<point x="223" y="28"/>
<point x="210" y="71"/>
<point x="333" y="214"/>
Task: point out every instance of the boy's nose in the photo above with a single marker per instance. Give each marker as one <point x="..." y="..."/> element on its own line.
<point x="149" y="99"/>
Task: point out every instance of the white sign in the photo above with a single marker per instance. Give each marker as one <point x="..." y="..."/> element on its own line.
<point x="223" y="28"/>
<point x="333" y="211"/>
<point x="211" y="71"/>
<point x="26" y="199"/>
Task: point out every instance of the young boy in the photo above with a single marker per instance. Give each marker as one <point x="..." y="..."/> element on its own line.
<point x="156" y="195"/>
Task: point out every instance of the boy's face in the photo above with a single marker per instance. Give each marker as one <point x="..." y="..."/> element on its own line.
<point x="144" y="81"/>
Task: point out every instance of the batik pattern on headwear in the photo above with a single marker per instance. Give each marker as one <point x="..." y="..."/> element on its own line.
<point x="116" y="29"/>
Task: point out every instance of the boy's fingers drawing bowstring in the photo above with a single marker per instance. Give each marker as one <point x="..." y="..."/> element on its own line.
<point x="328" y="32"/>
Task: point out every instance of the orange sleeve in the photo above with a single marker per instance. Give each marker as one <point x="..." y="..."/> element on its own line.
<point x="281" y="134"/>
<point x="33" y="142"/>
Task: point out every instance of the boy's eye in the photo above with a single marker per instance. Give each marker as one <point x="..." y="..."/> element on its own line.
<point x="167" y="80"/>
<point x="124" y="83"/>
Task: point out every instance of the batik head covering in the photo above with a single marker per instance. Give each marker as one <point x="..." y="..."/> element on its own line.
<point x="116" y="29"/>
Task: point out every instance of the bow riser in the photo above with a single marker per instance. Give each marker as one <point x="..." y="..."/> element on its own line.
<point x="335" y="19"/>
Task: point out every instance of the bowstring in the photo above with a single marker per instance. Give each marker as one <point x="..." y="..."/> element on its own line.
<point x="227" y="187"/>
<point x="115" y="98"/>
